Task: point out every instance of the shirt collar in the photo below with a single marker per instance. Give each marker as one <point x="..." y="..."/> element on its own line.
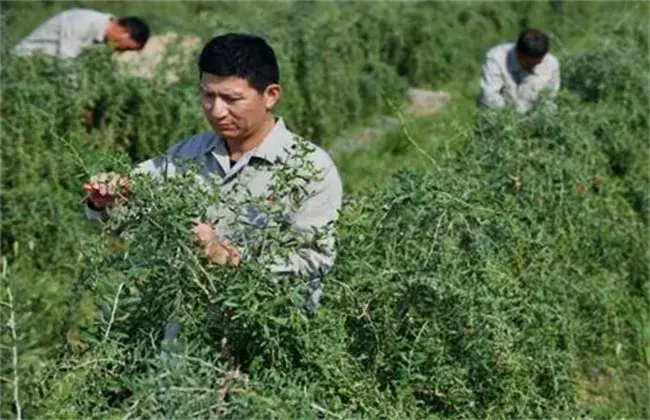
<point x="275" y="144"/>
<point x="513" y="63"/>
<point x="100" y="28"/>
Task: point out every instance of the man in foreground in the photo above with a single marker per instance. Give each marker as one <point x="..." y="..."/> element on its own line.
<point x="516" y="74"/>
<point x="239" y="86"/>
<point x="68" y="33"/>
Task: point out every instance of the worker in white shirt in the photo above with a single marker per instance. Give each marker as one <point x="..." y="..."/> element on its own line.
<point x="66" y="34"/>
<point x="516" y="74"/>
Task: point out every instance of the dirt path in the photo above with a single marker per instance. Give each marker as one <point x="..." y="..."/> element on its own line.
<point x="420" y="102"/>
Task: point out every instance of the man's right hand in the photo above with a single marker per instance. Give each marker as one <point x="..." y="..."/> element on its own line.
<point x="214" y="250"/>
<point x="105" y="189"/>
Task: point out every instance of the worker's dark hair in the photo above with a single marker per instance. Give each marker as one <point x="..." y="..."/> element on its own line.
<point x="241" y="55"/>
<point x="532" y="43"/>
<point x="137" y="27"/>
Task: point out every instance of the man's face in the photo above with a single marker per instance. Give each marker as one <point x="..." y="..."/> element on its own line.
<point x="123" y="41"/>
<point x="234" y="108"/>
<point x="527" y="62"/>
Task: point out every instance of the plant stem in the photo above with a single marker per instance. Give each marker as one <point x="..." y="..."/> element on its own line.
<point x="12" y="327"/>
<point x="110" y="322"/>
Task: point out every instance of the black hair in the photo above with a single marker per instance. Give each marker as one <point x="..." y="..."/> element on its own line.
<point x="241" y="55"/>
<point x="532" y="43"/>
<point x="138" y="29"/>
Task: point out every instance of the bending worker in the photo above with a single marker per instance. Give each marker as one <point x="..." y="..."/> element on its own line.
<point x="66" y="34"/>
<point x="516" y="74"/>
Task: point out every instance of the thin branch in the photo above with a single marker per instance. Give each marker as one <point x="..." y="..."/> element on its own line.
<point x="325" y="411"/>
<point x="76" y="154"/>
<point x="198" y="264"/>
<point x="408" y="135"/>
<point x="12" y="327"/>
<point x="110" y="322"/>
<point x="95" y="361"/>
<point x="201" y="362"/>
<point x="130" y="410"/>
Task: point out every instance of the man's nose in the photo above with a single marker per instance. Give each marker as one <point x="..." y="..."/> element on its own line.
<point x="219" y="108"/>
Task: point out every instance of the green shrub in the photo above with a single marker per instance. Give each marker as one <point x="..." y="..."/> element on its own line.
<point x="481" y="289"/>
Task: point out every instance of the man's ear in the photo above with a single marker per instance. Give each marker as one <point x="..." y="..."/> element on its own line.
<point x="272" y="95"/>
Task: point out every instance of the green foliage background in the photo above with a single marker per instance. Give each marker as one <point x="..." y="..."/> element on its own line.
<point x="503" y="273"/>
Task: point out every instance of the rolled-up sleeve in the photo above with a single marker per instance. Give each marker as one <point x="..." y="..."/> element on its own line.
<point x="101" y="215"/>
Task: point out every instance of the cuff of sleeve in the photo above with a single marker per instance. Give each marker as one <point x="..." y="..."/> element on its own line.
<point x="93" y="214"/>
